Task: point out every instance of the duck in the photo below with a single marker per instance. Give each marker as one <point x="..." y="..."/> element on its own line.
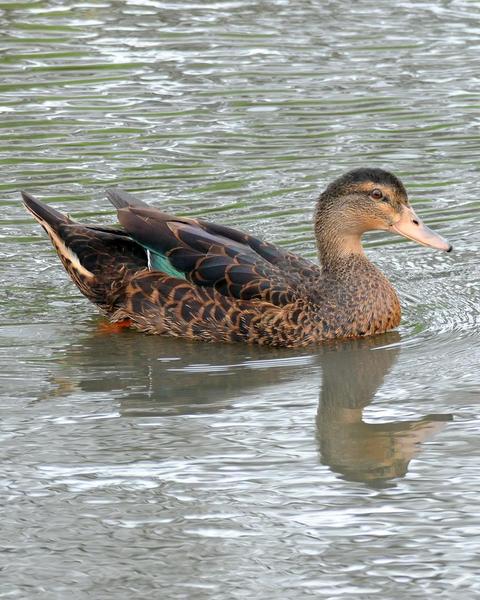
<point x="187" y="277"/>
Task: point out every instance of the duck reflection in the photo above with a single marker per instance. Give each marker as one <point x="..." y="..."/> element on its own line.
<point x="166" y="376"/>
<point x="350" y="446"/>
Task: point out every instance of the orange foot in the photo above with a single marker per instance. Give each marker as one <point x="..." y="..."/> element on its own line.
<point x="117" y="327"/>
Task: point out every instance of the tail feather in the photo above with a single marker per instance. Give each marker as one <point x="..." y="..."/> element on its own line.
<point x="98" y="259"/>
<point x="53" y="221"/>
<point x="45" y="215"/>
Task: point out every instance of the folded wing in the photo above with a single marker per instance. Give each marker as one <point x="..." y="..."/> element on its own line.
<point x="210" y="255"/>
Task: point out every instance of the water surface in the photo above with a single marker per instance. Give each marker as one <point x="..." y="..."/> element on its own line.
<point x="136" y="466"/>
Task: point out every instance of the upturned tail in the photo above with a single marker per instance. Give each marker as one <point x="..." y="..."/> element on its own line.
<point x="98" y="259"/>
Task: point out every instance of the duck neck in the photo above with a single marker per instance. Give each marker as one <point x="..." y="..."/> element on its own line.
<point x="338" y="242"/>
<point x="365" y="302"/>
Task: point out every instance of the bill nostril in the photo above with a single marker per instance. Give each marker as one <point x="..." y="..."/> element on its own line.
<point x="415" y="221"/>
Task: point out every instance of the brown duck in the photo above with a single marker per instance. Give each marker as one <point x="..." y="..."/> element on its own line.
<point x="189" y="278"/>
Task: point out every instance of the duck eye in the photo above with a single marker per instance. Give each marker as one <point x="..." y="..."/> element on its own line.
<point x="376" y="194"/>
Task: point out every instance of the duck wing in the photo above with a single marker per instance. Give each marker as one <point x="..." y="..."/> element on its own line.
<point x="208" y="255"/>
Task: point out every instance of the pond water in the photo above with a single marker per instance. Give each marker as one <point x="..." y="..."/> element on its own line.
<point x="136" y="466"/>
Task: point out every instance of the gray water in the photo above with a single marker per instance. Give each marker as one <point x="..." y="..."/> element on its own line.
<point x="135" y="466"/>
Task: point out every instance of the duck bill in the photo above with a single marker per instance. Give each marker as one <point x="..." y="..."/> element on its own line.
<point x="412" y="227"/>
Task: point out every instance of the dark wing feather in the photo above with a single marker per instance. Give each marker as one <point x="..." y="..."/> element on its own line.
<point x="120" y="198"/>
<point x="233" y="263"/>
<point x="103" y="250"/>
<point x="295" y="267"/>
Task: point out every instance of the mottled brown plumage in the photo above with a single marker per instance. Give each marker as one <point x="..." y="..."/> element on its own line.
<point x="189" y="278"/>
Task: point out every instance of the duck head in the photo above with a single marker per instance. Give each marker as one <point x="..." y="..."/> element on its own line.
<point x="366" y="200"/>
